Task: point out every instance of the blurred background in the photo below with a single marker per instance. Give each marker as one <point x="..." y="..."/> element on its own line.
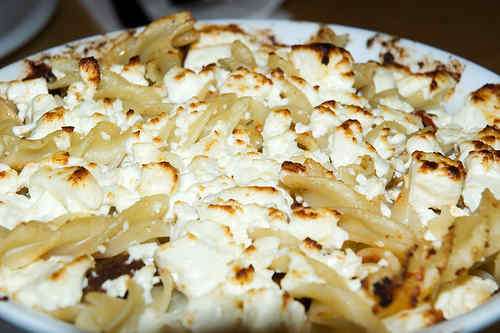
<point x="466" y="28"/>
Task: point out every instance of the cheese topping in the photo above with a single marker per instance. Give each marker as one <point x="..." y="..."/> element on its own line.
<point x="280" y="168"/>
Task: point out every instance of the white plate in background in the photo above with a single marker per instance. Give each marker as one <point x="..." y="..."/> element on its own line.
<point x="290" y="32"/>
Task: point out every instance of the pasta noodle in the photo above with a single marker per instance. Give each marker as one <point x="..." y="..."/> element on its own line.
<point x="161" y="32"/>
<point x="322" y="192"/>
<point x="241" y="56"/>
<point x="104" y="144"/>
<point x="142" y="222"/>
<point x="145" y="100"/>
<point x="375" y="230"/>
<point x="327" y="35"/>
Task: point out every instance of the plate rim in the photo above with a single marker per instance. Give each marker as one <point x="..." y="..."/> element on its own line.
<point x="480" y="317"/>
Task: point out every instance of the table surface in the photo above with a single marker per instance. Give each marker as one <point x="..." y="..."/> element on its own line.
<point x="466" y="28"/>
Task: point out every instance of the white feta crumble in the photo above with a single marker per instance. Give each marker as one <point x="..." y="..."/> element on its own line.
<point x="463" y="297"/>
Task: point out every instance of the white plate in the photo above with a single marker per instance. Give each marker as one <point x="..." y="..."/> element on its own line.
<point x="289" y="32"/>
<point x="20" y="20"/>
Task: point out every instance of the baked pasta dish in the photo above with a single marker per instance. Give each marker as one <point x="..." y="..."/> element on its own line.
<point x="204" y="178"/>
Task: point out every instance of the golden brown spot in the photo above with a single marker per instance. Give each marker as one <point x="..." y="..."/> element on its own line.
<point x="284" y="112"/>
<point x="368" y="145"/>
<point x="231" y="210"/>
<point x="348" y="74"/>
<point x="429" y="166"/>
<point x="59" y="274"/>
<point x="275" y="214"/>
<point x="244" y="275"/>
<point x="78" y="176"/>
<point x="414" y="294"/>
<point x="346" y="126"/>
<point x="197" y="104"/>
<point x="68" y="129"/>
<point x="39" y="69"/>
<point x="277" y="277"/>
<point x="312" y="244"/>
<point x="54" y="115"/>
<point x="268" y="189"/>
<point x="258" y="128"/>
<point x="329" y="105"/>
<point x="208" y="68"/>
<point x="218" y="28"/>
<point x="489" y="135"/>
<point x="384" y="289"/>
<point x="155" y="120"/>
<point x="191" y="236"/>
<point x="490" y="139"/>
<point x="322" y="49"/>
<point x="278" y="73"/>
<point x="60" y="158"/>
<point x="293" y="167"/>
<point x="134" y="61"/>
<point x="435" y="162"/>
<point x="433" y="316"/>
<point x="286" y="299"/>
<point x="433" y="85"/>
<point x="298" y="79"/>
<point x="427" y="121"/>
<point x="227" y="231"/>
<point x="454" y="172"/>
<point x="157" y="139"/>
<point x="168" y="167"/>
<point x="238" y="131"/>
<point x="250" y="249"/>
<point x="485" y="92"/>
<point x="210" y="144"/>
<point x="130" y="113"/>
<point x="306" y="213"/>
<point x="371" y="259"/>
<point x="90" y="66"/>
<point x="182" y="74"/>
<point x="239" y="142"/>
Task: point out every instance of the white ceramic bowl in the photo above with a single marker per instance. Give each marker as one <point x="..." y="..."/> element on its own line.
<point x="291" y="32"/>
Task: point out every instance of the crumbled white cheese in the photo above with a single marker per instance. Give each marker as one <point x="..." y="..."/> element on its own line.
<point x="183" y="84"/>
<point x="146" y="279"/>
<point x="47" y="285"/>
<point x="116" y="287"/>
<point x="483" y="172"/>
<point x="346" y="146"/>
<point x="435" y="181"/>
<point x="412" y="320"/>
<point x="144" y="252"/>
<point x="133" y="73"/>
<point x="198" y="264"/>
<point x="463" y="297"/>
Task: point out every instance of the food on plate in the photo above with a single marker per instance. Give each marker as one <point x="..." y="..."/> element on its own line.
<point x="205" y="178"/>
